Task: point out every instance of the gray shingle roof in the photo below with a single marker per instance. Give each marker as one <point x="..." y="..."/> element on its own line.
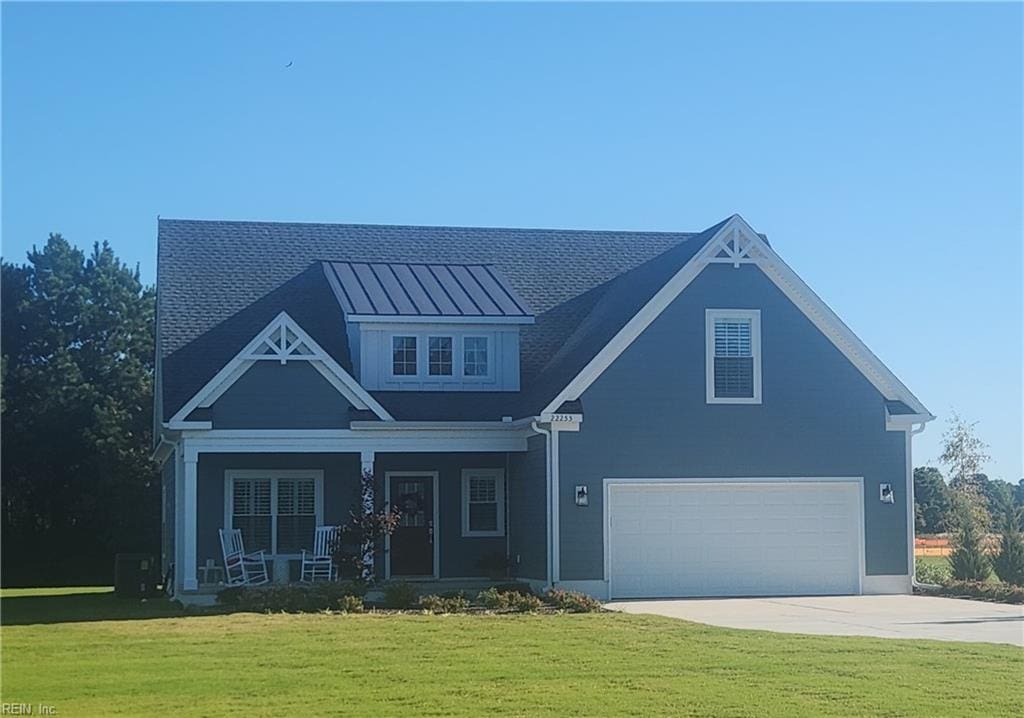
<point x="220" y="282"/>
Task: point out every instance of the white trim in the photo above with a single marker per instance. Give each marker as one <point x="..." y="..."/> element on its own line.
<point x="274" y="475"/>
<point x="710" y="317"/>
<point x="556" y="511"/>
<point x="482" y="320"/>
<point x="437" y="529"/>
<point x="383" y="440"/>
<point x="273" y="338"/>
<point x="857" y="480"/>
<point x="190" y="580"/>
<point x="754" y="250"/>
<point x="498" y="476"/>
<point x="389" y="340"/>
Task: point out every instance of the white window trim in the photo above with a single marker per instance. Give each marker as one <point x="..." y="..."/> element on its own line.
<point x="489" y="376"/>
<point x="710" y="316"/>
<point x="499" y="494"/>
<point x="273" y="474"/>
<point x="420" y="368"/>
<point x="454" y="346"/>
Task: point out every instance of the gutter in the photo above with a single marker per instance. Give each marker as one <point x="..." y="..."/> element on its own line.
<point x="550" y="533"/>
<point x="914" y="583"/>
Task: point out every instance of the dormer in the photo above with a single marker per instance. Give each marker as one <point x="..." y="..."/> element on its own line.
<point x="430" y="327"/>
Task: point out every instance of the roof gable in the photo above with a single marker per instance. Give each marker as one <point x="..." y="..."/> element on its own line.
<point x="735" y="242"/>
<point x="282" y="340"/>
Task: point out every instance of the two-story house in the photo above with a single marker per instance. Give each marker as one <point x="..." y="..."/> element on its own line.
<point x="631" y="414"/>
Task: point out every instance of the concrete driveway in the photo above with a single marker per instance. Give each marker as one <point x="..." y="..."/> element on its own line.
<point x="944" y="619"/>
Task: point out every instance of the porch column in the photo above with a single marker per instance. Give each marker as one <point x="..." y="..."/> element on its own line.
<point x="369" y="505"/>
<point x="188" y="564"/>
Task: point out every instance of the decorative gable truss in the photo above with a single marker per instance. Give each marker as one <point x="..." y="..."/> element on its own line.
<point x="737" y="243"/>
<point x="283" y="340"/>
<point x="733" y="245"/>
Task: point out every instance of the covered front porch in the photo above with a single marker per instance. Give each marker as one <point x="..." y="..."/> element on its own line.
<point x="465" y="516"/>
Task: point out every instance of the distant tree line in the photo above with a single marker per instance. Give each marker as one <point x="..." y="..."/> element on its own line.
<point x="934" y="498"/>
<point x="77" y="397"/>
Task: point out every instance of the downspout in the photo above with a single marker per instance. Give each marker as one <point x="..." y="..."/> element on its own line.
<point x="912" y="513"/>
<point x="547" y="473"/>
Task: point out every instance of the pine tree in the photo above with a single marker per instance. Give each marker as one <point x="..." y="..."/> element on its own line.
<point x="1009" y="562"/>
<point x="968" y="561"/>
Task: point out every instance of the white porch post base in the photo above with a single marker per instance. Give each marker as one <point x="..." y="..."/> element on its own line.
<point x="188" y="564"/>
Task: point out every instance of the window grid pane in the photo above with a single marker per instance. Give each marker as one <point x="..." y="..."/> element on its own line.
<point x="403" y="356"/>
<point x="251" y="512"/>
<point x="440" y="359"/>
<point x="474" y="361"/>
<point x="732" y="338"/>
<point x="734" y="359"/>
<point x="483" y="503"/>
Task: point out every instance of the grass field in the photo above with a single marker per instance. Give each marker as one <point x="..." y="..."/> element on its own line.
<point x="148" y="659"/>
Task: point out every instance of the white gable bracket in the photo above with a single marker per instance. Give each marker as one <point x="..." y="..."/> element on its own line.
<point x="737" y="243"/>
<point x="282" y="340"/>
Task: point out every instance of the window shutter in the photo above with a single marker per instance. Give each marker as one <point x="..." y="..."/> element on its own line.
<point x="734" y="359"/>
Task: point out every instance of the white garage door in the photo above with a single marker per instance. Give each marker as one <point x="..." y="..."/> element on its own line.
<point x="734" y="538"/>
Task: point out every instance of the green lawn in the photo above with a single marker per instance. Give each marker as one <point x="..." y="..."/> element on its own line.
<point x="594" y="664"/>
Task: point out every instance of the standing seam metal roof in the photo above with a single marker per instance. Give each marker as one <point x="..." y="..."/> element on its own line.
<point x="420" y="289"/>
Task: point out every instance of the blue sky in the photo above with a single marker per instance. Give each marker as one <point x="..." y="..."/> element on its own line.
<point x="878" y="145"/>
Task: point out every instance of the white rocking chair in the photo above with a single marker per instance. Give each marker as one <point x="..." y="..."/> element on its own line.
<point x="319" y="563"/>
<point x="241" y="568"/>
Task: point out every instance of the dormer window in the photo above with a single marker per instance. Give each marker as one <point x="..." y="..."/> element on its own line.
<point x="430" y="327"/>
<point x="440" y="360"/>
<point x="474" y="356"/>
<point x="403" y="356"/>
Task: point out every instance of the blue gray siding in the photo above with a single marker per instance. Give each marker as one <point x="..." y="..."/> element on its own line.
<point x="271" y="395"/>
<point x="341" y="489"/>
<point x="646" y="417"/>
<point x="458" y="555"/>
<point x="527" y="498"/>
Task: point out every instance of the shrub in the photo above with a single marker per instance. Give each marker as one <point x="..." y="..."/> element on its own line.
<point x="524" y="602"/>
<point x="968" y="561"/>
<point x="514" y="587"/>
<point x="937" y="574"/>
<point x="293" y="598"/>
<point x="572" y="601"/>
<point x="350" y="604"/>
<point x="400" y="595"/>
<point x="998" y="592"/>
<point x="444" y="604"/>
<point x="1009" y="561"/>
<point x="494" y="599"/>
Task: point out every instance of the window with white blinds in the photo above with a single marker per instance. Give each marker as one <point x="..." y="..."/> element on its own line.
<point x="733" y="356"/>
<point x="483" y="502"/>
<point x="277" y="512"/>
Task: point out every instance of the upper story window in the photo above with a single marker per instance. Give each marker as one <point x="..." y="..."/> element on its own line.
<point x="733" y="356"/>
<point x="403" y="355"/>
<point x="439" y="363"/>
<point x="475" y="356"/>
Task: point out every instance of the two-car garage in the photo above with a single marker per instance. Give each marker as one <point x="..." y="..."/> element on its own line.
<point x="733" y="537"/>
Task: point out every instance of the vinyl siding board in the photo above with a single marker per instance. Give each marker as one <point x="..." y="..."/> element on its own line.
<point x="646" y="417"/>
<point x="271" y="395"/>
<point x="527" y="497"/>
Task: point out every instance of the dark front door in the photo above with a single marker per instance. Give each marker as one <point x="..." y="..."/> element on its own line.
<point x="412" y="543"/>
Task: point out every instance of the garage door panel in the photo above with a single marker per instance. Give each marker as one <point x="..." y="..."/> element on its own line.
<point x="734" y="538"/>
